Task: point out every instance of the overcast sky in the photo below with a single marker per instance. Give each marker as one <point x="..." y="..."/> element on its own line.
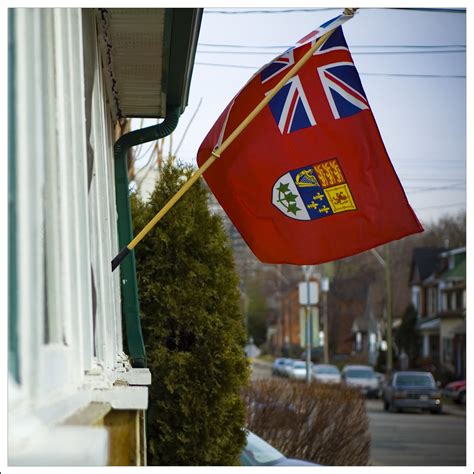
<point x="421" y="114"/>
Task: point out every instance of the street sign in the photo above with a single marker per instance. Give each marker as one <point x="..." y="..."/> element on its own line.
<point x="313" y="293"/>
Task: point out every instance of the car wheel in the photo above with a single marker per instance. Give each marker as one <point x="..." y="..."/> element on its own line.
<point x="462" y="398"/>
<point x="436" y="411"/>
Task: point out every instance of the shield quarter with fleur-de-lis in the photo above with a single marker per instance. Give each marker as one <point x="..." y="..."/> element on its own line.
<point x="314" y="191"/>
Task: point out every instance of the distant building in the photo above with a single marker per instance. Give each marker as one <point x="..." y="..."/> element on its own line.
<point x="292" y="335"/>
<point x="438" y="286"/>
<point x="367" y="328"/>
<point x="145" y="180"/>
<point x="246" y="262"/>
<point x="346" y="302"/>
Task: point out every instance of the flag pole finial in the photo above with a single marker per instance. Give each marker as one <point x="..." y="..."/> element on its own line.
<point x="349" y="11"/>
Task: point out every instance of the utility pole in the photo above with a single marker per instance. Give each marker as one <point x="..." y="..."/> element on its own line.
<point x="388" y="283"/>
<point x="388" y="294"/>
<point x="308" y="334"/>
<point x="324" y="294"/>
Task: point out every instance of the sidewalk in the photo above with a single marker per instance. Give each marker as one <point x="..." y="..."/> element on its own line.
<point x="261" y="363"/>
<point x="456" y="410"/>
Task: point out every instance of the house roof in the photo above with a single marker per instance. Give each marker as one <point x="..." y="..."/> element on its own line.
<point x="360" y="324"/>
<point x="458" y="272"/>
<point x="431" y="325"/>
<point x="147" y="57"/>
<point x="424" y="263"/>
<point x="456" y="251"/>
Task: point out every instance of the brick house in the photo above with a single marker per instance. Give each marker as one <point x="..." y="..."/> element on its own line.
<point x="438" y="288"/>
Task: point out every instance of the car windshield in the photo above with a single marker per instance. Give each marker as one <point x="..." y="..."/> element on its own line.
<point x="299" y="365"/>
<point x="327" y="370"/>
<point x="414" y="380"/>
<point x="258" y="452"/>
<point x="360" y="373"/>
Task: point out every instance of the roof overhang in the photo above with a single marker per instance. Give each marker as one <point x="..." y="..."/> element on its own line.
<point x="429" y="326"/>
<point x="147" y="57"/>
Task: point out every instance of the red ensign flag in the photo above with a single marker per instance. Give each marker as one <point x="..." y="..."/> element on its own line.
<point x="309" y="180"/>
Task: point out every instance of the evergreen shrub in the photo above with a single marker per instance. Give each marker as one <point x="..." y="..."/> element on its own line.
<point x="193" y="329"/>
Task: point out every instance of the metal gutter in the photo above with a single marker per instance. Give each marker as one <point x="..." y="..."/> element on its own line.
<point x="180" y="42"/>
<point x="183" y="45"/>
<point x="128" y="274"/>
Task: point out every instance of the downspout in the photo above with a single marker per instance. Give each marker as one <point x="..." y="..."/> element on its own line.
<point x="128" y="273"/>
<point x="13" y="358"/>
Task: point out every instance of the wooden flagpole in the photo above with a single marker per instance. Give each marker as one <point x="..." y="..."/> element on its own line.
<point x="218" y="151"/>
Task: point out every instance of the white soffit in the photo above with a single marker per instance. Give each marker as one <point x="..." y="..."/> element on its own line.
<point x="132" y="41"/>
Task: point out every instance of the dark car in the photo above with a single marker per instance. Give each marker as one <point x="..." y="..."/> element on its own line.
<point x="412" y="390"/>
<point x="456" y="391"/>
<point x="258" y="452"/>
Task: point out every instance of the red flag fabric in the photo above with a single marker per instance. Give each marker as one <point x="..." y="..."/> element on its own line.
<point x="309" y="180"/>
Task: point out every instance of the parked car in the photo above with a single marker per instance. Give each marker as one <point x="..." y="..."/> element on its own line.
<point x="380" y="378"/>
<point x="408" y="389"/>
<point x="298" y="370"/>
<point x="287" y="366"/>
<point x="258" y="452"/>
<point x="326" y="373"/>
<point x="362" y="377"/>
<point x="456" y="391"/>
<point x="277" y="366"/>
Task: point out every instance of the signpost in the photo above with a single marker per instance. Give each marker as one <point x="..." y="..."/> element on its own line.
<point x="308" y="296"/>
<point x="324" y="291"/>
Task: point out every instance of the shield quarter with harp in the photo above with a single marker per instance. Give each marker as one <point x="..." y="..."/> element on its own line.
<point x="312" y="192"/>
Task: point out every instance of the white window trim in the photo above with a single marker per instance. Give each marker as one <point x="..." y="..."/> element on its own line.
<point x="52" y="376"/>
<point x="103" y="223"/>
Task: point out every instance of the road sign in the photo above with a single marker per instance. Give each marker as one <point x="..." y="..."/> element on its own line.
<point x="313" y="292"/>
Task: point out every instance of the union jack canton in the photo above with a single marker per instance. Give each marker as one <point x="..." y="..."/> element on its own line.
<point x="298" y="104"/>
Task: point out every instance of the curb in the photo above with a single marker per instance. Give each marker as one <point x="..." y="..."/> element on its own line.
<point x="261" y="363"/>
<point x="449" y="410"/>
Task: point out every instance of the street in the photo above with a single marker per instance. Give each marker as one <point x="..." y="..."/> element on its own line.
<point x="409" y="438"/>
<point x="417" y="439"/>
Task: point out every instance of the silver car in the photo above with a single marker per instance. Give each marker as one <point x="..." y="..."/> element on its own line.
<point x="326" y="373"/>
<point x="298" y="370"/>
<point x="258" y="452"/>
<point x="287" y="367"/>
<point x="362" y="377"/>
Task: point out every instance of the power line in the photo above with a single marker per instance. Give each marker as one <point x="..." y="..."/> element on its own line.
<point x="431" y="10"/>
<point x="427" y="46"/>
<point x="456" y="187"/>
<point x="255" y="68"/>
<point x="273" y="11"/>
<point x="457" y="204"/>
<point x="354" y="53"/>
<point x="431" y="179"/>
<point x="441" y="76"/>
<point x="312" y="10"/>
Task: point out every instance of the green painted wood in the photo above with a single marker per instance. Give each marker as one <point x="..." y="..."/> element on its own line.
<point x="128" y="272"/>
<point x="13" y="357"/>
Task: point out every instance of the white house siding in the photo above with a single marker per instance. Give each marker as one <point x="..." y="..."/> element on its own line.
<point x="446" y="332"/>
<point x="63" y="230"/>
